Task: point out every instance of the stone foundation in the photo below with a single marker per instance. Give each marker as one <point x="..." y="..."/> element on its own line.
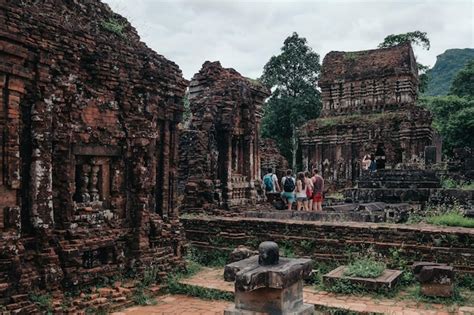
<point x="331" y="242"/>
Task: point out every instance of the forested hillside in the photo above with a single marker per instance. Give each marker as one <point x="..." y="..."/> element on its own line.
<point x="447" y="65"/>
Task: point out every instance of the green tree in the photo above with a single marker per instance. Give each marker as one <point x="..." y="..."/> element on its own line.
<point x="453" y="118"/>
<point x="292" y="75"/>
<point x="463" y="83"/>
<point x="416" y="38"/>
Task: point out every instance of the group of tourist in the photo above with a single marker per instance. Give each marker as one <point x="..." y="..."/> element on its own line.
<point x="372" y="162"/>
<point x="305" y="189"/>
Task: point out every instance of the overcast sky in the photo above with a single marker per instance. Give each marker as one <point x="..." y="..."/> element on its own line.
<point x="244" y="34"/>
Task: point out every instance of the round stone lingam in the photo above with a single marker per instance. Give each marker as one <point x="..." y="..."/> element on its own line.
<point x="268" y="253"/>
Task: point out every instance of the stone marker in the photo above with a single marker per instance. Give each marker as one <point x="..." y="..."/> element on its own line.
<point x="435" y="279"/>
<point x="268" y="284"/>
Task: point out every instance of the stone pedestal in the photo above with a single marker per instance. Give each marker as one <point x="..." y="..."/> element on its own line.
<point x="268" y="285"/>
<point x="435" y="279"/>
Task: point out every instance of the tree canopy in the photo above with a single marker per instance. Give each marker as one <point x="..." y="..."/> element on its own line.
<point x="463" y="83"/>
<point x="292" y="75"/>
<point x="453" y="115"/>
<point x="416" y="38"/>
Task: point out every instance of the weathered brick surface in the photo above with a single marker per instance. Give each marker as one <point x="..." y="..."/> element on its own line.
<point x="270" y="156"/>
<point x="219" y="153"/>
<point x="326" y="241"/>
<point x="368" y="107"/>
<point x="88" y="123"/>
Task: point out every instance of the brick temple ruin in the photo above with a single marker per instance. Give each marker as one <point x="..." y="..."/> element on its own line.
<point x="88" y="127"/>
<point x="369" y="107"/>
<point x="220" y="158"/>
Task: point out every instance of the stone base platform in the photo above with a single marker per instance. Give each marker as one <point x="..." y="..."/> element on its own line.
<point x="304" y="309"/>
<point x="323" y="301"/>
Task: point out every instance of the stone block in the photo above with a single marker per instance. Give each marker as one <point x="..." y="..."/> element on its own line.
<point x="386" y="281"/>
<point x="435" y="279"/>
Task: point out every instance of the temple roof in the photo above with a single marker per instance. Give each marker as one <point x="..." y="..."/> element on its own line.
<point x="368" y="64"/>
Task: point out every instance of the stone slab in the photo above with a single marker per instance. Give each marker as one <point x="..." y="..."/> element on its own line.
<point x="386" y="281"/>
<point x="304" y="309"/>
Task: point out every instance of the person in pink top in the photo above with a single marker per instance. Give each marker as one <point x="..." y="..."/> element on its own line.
<point x="318" y="189"/>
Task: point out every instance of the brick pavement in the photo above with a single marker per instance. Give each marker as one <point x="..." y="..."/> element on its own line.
<point x="178" y="305"/>
<point x="212" y="278"/>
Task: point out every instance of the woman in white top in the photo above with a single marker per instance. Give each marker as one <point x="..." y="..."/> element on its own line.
<point x="301" y="192"/>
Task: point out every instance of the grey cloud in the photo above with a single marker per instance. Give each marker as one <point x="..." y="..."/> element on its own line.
<point x="245" y="34"/>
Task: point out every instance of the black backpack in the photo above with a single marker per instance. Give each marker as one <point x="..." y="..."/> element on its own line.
<point x="289" y="184"/>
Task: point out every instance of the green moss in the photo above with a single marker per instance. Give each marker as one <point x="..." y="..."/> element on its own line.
<point x="114" y="26"/>
<point x="352" y="56"/>
<point x="365" y="268"/>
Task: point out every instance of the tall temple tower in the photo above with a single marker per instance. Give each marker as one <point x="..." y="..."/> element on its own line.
<point x="369" y="107"/>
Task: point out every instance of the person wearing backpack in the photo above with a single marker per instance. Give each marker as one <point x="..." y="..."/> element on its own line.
<point x="270" y="182"/>
<point x="373" y="164"/>
<point x="289" y="184"/>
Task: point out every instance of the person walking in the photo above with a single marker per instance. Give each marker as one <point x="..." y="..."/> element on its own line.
<point x="301" y="192"/>
<point x="309" y="191"/>
<point x="318" y="189"/>
<point x="270" y="182"/>
<point x="289" y="184"/>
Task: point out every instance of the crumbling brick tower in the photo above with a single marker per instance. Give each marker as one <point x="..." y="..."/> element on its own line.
<point x="88" y="134"/>
<point x="219" y="154"/>
<point x="369" y="106"/>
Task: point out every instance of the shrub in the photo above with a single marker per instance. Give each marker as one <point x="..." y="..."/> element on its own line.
<point x="44" y="302"/>
<point x="365" y="268"/>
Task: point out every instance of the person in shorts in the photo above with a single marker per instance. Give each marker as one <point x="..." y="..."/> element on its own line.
<point x="318" y="188"/>
<point x="289" y="185"/>
<point x="270" y="182"/>
<point x="301" y="192"/>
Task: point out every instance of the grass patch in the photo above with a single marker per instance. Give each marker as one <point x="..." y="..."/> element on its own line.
<point x="365" y="268"/>
<point x="210" y="258"/>
<point x="451" y="183"/>
<point x="446" y="214"/>
<point x="414" y="293"/>
<point x="451" y="219"/>
<point x="175" y="287"/>
<point x="141" y="295"/>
